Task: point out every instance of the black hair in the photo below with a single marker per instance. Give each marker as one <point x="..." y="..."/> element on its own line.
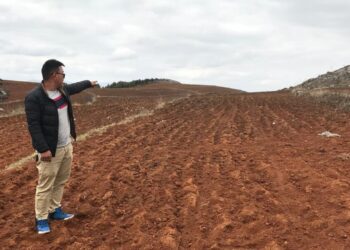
<point x="49" y="67"/>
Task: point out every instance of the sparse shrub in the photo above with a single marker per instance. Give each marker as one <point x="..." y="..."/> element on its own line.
<point x="134" y="83"/>
<point x="336" y="100"/>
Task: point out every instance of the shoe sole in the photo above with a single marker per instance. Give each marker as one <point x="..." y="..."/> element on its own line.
<point x="68" y="218"/>
<point x="44" y="232"/>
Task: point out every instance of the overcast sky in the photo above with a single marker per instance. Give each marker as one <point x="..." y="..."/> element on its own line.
<point x="253" y="45"/>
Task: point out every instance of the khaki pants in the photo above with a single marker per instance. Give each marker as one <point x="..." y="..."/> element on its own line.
<point x="52" y="177"/>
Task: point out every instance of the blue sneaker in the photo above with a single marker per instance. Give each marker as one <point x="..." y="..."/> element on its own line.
<point x="42" y="226"/>
<point x="60" y="215"/>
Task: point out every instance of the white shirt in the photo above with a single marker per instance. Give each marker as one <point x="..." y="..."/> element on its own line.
<point x="64" y="137"/>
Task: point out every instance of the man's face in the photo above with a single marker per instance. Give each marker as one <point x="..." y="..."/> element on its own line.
<point x="59" y="76"/>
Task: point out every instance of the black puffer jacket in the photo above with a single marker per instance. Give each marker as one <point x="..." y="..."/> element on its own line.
<point x="42" y="115"/>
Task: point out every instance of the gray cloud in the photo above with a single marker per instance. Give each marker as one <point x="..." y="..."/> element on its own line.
<point x="252" y="45"/>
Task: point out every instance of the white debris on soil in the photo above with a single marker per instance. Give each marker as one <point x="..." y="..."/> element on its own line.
<point x="329" y="134"/>
<point x="344" y="156"/>
<point x="1" y="109"/>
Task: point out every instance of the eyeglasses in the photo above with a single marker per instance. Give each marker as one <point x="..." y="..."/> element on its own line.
<point x="64" y="75"/>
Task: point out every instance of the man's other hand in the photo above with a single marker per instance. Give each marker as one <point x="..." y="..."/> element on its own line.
<point x="46" y="156"/>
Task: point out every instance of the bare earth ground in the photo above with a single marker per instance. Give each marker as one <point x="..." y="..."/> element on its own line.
<point x="204" y="171"/>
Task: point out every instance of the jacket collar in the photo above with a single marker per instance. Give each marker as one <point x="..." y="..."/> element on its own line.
<point x="61" y="90"/>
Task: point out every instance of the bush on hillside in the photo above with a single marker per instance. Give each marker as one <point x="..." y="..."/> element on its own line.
<point x="123" y="84"/>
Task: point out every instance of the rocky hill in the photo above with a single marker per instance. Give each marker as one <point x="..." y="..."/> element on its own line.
<point x="334" y="80"/>
<point x="332" y="88"/>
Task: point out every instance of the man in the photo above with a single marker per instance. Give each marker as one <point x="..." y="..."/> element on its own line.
<point x="51" y="125"/>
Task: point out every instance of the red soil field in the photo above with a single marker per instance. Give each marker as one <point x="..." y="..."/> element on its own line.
<point x="17" y="90"/>
<point x="204" y="170"/>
